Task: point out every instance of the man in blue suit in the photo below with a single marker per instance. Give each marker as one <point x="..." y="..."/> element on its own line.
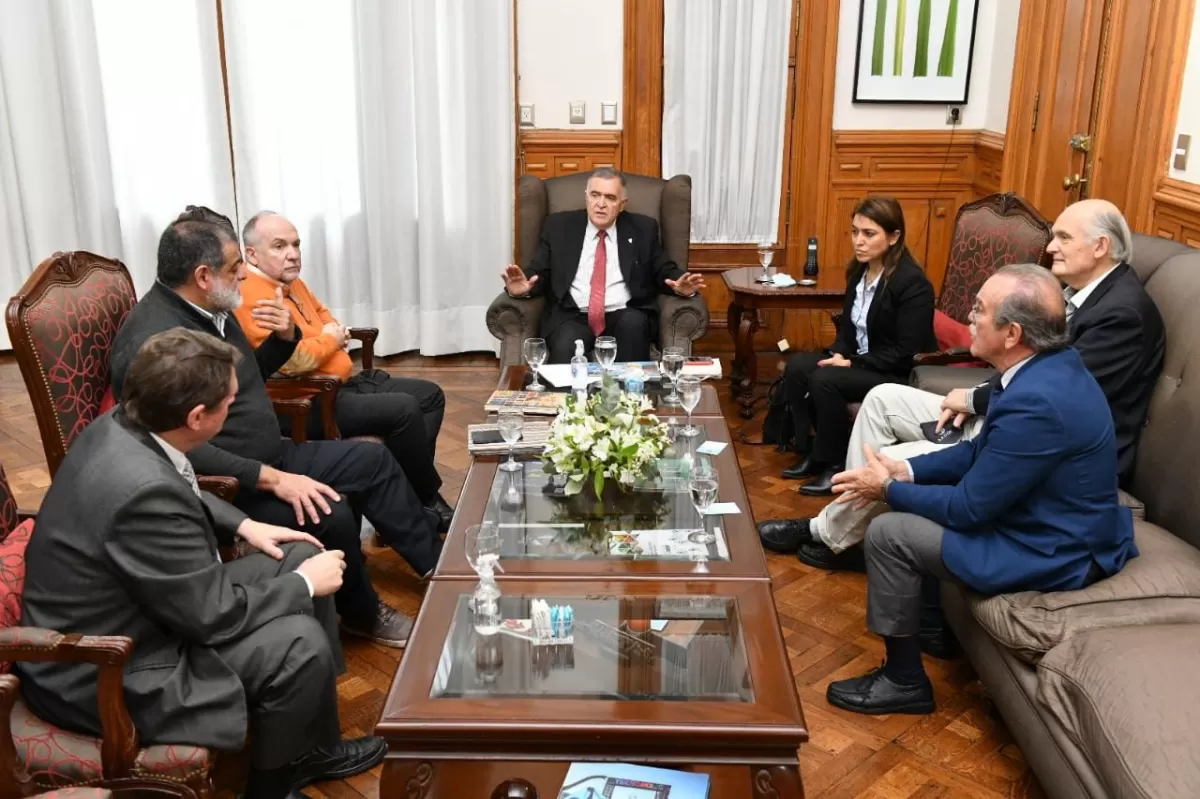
<point x="1028" y="505"/>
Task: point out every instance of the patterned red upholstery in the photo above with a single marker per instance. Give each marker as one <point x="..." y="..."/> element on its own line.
<point x="56" y="757"/>
<point x="77" y="793"/>
<point x="72" y="327"/>
<point x="999" y="229"/>
<point x="8" y="507"/>
<point x="12" y="577"/>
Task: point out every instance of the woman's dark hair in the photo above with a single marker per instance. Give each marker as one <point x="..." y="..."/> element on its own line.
<point x="173" y="372"/>
<point x="887" y="213"/>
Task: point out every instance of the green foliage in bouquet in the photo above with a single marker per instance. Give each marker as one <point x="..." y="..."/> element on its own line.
<point x="608" y="436"/>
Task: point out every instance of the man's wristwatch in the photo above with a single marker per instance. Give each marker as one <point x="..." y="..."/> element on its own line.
<point x="887" y="481"/>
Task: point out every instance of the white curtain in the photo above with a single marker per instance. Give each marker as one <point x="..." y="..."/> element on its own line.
<point x="383" y="130"/>
<point x="109" y="113"/>
<point x="724" y="106"/>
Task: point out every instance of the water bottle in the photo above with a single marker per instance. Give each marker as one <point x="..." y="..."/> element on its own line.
<point x="635" y="381"/>
<point x="579" y="372"/>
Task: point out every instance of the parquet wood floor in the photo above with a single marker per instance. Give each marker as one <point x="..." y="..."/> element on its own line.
<point x="962" y="750"/>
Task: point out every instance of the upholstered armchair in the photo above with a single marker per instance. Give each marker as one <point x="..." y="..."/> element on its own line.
<point x="62" y="323"/>
<point x="989" y="233"/>
<point x="35" y="755"/>
<point x="668" y="202"/>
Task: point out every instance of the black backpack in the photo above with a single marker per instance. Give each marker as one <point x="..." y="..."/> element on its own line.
<point x="778" y="427"/>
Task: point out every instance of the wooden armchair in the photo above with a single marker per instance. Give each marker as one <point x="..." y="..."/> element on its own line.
<point x="62" y="323"/>
<point x="34" y="754"/>
<point x="989" y="233"/>
<point x="322" y="389"/>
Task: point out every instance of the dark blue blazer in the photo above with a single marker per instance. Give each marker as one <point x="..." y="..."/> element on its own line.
<point x="1031" y="502"/>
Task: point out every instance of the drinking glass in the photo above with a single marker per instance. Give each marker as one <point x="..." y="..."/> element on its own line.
<point x="704" y="493"/>
<point x="689" y="396"/>
<point x="671" y="365"/>
<point x="482" y="547"/>
<point x="510" y="423"/>
<point x="535" y="356"/>
<point x="765" y="256"/>
<point x="606" y="352"/>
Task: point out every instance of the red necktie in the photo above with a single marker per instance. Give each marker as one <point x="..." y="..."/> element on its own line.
<point x="596" y="300"/>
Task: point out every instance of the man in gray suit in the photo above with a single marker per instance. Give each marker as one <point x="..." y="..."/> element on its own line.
<point x="126" y="544"/>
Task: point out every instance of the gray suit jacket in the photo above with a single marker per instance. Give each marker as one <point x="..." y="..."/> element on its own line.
<point x="123" y="546"/>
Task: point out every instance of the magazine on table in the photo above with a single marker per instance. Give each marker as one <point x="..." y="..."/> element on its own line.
<point x="538" y="403"/>
<point x="628" y="781"/>
<point x="485" y="439"/>
<point x="664" y="544"/>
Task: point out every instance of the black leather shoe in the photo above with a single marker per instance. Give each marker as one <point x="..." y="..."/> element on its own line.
<point x="805" y="468"/>
<point x="348" y="757"/>
<point x="819" y="556"/>
<point x="875" y="694"/>
<point x="823" y="485"/>
<point x="442" y="511"/>
<point x="784" y="535"/>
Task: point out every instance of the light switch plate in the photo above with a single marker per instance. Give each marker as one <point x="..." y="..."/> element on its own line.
<point x="608" y="113"/>
<point x="578" y="112"/>
<point x="783" y="345"/>
<point x="1182" y="145"/>
<point x="527" y="115"/>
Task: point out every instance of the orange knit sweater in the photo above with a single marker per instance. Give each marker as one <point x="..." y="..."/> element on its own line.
<point x="317" y="351"/>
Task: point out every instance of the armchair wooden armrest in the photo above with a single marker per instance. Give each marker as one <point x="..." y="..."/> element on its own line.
<point x="318" y="388"/>
<point x="367" y="336"/>
<point x="224" y="487"/>
<point x="944" y="357"/>
<point x="119" y="744"/>
<point x="297" y="410"/>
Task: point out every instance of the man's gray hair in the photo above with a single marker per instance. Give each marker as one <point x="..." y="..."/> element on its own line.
<point x="1034" y="302"/>
<point x="250" y="229"/>
<point x="1110" y="223"/>
<point x="605" y="173"/>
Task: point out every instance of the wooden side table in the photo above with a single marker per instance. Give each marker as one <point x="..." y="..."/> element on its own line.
<point x="748" y="299"/>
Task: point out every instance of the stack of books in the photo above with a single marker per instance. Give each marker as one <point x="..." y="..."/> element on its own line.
<point x="485" y="439"/>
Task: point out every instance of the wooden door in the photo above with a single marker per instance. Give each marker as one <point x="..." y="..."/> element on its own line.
<point x="1055" y="89"/>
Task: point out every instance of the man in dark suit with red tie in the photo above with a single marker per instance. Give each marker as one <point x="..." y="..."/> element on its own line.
<point x="596" y="288"/>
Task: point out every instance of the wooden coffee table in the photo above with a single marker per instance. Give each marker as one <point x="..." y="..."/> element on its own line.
<point x="516" y="378"/>
<point x="688" y="675"/>
<point x="546" y="535"/>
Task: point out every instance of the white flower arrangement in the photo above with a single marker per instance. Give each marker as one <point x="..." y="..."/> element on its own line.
<point x="609" y="436"/>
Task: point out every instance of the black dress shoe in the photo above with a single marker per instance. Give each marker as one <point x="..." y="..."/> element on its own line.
<point x="875" y="694"/>
<point x="442" y="511"/>
<point x="819" y="556"/>
<point x="805" y="468"/>
<point x="784" y="535"/>
<point x="348" y="757"/>
<point x="823" y="485"/>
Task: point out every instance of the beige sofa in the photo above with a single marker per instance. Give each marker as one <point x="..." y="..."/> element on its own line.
<point x="1101" y="687"/>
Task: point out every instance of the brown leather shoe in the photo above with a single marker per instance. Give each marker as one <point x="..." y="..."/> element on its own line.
<point x="388" y="628"/>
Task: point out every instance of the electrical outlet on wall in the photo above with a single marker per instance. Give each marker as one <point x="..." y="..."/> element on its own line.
<point x="608" y="113"/>
<point x="1182" y="145"/>
<point x="578" y="112"/>
<point x="527" y="115"/>
<point x="954" y="115"/>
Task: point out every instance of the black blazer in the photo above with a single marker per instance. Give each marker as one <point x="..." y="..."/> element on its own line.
<point x="1120" y="336"/>
<point x="644" y="264"/>
<point x="899" y="322"/>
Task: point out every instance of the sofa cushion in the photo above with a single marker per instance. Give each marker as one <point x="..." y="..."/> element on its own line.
<point x="944" y="379"/>
<point x="1130" y="699"/>
<point x="1135" y="505"/>
<point x="1160" y="586"/>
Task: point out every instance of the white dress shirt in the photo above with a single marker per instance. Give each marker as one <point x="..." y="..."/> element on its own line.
<point x="1076" y="300"/>
<point x="616" y="294"/>
<point x="184" y="467"/>
<point x="864" y="295"/>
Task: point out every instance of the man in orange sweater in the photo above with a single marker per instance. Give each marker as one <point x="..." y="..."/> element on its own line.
<point x="405" y="412"/>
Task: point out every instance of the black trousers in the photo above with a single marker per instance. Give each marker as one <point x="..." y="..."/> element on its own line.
<point x="819" y="397"/>
<point x="374" y="486"/>
<point x="288" y="668"/>
<point x="634" y="330"/>
<point x="405" y="412"/>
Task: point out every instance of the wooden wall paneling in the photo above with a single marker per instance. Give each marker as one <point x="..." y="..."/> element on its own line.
<point x="1177" y="212"/>
<point x="1157" y="108"/>
<point x="643" y="87"/>
<point x="989" y="162"/>
<point x="553" y="153"/>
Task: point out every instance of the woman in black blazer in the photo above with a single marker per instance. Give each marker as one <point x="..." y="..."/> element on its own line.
<point x="887" y="319"/>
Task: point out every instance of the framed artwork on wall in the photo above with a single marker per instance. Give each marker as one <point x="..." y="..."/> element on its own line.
<point x="914" y="51"/>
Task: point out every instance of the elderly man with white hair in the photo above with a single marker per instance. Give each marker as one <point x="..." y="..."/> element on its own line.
<point x="1112" y="323"/>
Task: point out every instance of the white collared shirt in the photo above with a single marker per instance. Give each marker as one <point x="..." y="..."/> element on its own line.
<point x="616" y="294"/>
<point x="864" y="295"/>
<point x="218" y="318"/>
<point x="1011" y="371"/>
<point x="1080" y="297"/>
<point x="179" y="461"/>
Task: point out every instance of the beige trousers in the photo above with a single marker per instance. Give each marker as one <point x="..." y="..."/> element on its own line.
<point x="889" y="422"/>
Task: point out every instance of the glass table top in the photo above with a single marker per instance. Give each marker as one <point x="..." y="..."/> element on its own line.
<point x="653" y="520"/>
<point x="660" y="648"/>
